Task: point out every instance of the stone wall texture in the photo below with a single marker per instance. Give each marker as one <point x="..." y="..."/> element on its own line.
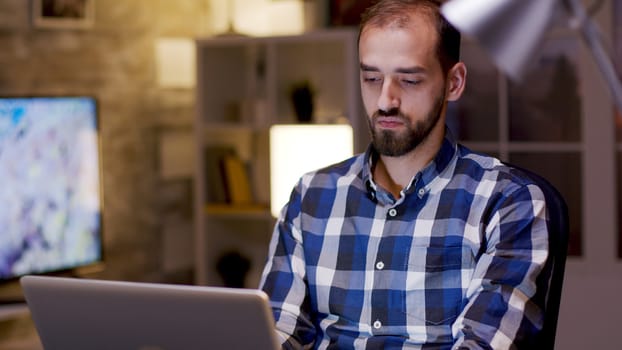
<point x="114" y="61"/>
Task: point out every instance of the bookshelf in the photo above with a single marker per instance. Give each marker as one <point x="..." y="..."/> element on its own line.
<point x="243" y="87"/>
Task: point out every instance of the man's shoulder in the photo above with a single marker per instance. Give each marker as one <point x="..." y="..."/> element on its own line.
<point x="485" y="167"/>
<point x="329" y="175"/>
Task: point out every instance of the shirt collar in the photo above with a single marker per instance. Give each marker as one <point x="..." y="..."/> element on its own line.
<point x="433" y="170"/>
<point x="442" y="160"/>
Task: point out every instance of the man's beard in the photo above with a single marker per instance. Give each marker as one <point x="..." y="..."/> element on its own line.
<point x="393" y="144"/>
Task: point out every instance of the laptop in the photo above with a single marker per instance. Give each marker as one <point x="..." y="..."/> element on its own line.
<point x="72" y="313"/>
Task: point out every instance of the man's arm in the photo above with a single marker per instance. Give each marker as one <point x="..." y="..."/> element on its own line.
<point x="285" y="283"/>
<point x="502" y="312"/>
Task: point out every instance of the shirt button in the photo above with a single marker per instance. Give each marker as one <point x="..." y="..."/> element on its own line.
<point x="377" y="324"/>
<point x="380" y="265"/>
<point x="421" y="192"/>
<point x="392" y="212"/>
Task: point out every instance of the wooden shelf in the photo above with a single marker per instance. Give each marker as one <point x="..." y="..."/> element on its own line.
<point x="242" y="90"/>
<point x="238" y="210"/>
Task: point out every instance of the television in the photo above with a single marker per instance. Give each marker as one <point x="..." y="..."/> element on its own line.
<point x="50" y="185"/>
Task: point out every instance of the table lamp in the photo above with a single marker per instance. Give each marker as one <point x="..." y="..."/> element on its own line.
<point x="298" y="148"/>
<point x="511" y="31"/>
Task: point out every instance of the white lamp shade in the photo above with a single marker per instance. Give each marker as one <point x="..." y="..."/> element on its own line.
<point x="176" y="62"/>
<point x="300" y="148"/>
<point x="510" y="30"/>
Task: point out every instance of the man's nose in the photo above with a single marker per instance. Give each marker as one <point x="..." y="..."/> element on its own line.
<point x="389" y="96"/>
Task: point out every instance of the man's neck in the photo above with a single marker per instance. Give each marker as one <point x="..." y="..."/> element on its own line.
<point x="395" y="173"/>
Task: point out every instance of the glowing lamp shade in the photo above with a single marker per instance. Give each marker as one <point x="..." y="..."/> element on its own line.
<point x="509" y="30"/>
<point x="297" y="149"/>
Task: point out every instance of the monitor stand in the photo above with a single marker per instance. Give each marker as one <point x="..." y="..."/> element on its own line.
<point x="9" y="311"/>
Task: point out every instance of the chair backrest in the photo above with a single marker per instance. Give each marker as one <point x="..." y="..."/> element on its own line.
<point x="558" y="227"/>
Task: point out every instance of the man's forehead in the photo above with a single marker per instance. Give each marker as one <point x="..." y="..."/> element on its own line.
<point x="403" y="70"/>
<point x="397" y="49"/>
<point x="419" y="25"/>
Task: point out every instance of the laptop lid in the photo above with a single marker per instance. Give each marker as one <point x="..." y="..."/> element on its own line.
<point x="71" y="313"/>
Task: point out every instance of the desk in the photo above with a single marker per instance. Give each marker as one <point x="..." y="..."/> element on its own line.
<point x="17" y="331"/>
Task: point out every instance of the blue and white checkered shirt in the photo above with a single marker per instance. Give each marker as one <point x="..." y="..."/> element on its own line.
<point x="452" y="264"/>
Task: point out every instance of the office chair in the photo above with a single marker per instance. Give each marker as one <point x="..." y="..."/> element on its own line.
<point x="558" y="227"/>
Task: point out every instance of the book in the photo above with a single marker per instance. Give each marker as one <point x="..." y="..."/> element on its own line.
<point x="215" y="185"/>
<point x="237" y="181"/>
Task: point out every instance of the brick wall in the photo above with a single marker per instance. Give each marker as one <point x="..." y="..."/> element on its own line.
<point x="114" y="61"/>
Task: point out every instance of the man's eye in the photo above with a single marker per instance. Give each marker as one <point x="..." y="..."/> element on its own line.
<point x="371" y="79"/>
<point x="410" y="81"/>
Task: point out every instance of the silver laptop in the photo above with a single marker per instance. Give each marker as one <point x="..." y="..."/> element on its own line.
<point x="71" y="313"/>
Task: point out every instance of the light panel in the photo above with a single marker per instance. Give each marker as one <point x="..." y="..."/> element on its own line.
<point x="299" y="148"/>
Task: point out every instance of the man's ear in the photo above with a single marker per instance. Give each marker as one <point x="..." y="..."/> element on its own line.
<point x="456" y="81"/>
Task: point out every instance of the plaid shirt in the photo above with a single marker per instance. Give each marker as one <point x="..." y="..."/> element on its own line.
<point x="452" y="264"/>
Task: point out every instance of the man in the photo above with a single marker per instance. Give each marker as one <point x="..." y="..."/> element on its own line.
<point x="418" y="243"/>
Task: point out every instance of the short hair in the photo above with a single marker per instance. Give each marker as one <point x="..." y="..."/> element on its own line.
<point x="385" y="12"/>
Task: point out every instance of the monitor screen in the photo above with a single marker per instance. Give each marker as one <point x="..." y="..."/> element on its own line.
<point x="50" y="193"/>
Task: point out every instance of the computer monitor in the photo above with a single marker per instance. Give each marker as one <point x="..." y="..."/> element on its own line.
<point x="50" y="185"/>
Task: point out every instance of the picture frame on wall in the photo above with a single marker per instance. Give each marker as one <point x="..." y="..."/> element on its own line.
<point x="63" y="14"/>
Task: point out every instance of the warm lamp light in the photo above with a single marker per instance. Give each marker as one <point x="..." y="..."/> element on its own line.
<point x="175" y="62"/>
<point x="300" y="148"/>
<point x="511" y="31"/>
<point x="266" y="17"/>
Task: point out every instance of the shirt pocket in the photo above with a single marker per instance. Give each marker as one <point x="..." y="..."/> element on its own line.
<point x="436" y="282"/>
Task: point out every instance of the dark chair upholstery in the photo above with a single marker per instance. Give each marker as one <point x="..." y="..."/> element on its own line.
<point x="557" y="223"/>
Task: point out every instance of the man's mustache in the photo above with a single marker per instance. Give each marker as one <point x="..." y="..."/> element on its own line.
<point x="393" y="112"/>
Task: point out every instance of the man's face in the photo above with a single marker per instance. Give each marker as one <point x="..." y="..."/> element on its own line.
<point x="402" y="84"/>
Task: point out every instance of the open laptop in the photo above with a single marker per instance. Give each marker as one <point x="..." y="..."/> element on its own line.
<point x="71" y="313"/>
